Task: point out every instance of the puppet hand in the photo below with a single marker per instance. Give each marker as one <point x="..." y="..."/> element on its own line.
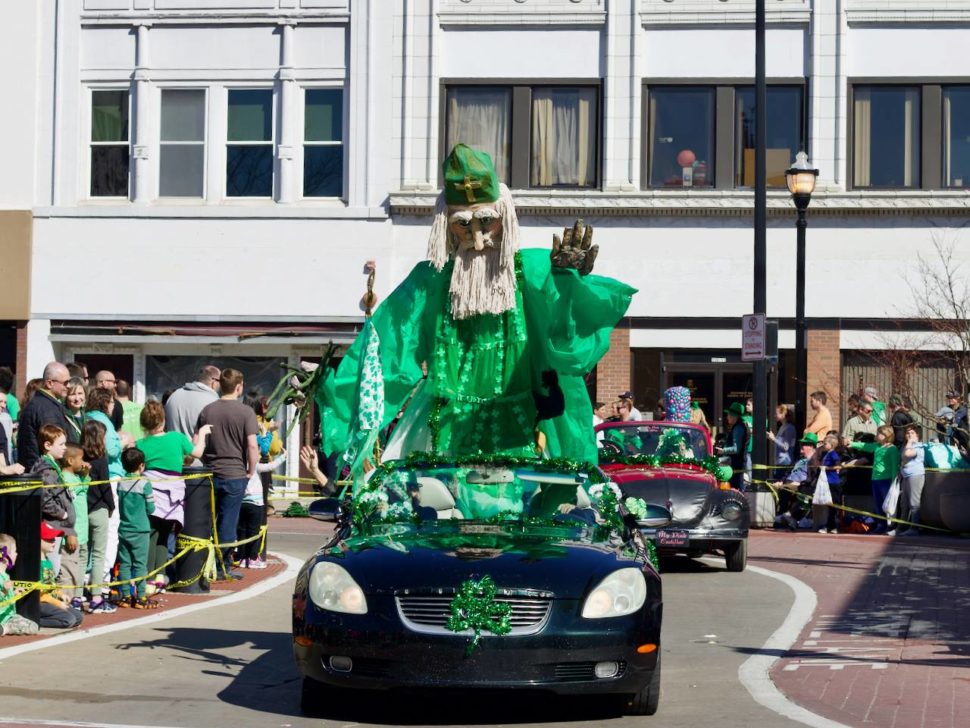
<point x="575" y="249"/>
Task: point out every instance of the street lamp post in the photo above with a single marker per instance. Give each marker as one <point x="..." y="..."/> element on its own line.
<point x="801" y="178"/>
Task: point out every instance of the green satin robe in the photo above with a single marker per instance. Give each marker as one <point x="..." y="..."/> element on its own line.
<point x="482" y="371"/>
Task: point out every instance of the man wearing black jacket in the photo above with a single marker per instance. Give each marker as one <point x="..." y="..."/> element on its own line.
<point x="44" y="408"/>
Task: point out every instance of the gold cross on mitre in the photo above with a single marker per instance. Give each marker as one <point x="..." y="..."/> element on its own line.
<point x="469" y="186"/>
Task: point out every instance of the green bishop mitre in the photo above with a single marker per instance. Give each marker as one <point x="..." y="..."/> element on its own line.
<point x="469" y="177"/>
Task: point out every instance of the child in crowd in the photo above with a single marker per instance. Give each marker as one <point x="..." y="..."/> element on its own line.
<point x="824" y="517"/>
<point x="912" y="473"/>
<point x="885" y="467"/>
<point x="136" y="504"/>
<point x="252" y="515"/>
<point x="57" y="504"/>
<point x="101" y="504"/>
<point x="74" y="475"/>
<point x="165" y="455"/>
<point x="55" y="606"/>
<point x="10" y="622"/>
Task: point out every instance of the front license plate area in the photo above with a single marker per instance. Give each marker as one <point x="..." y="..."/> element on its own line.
<point x="672" y="538"/>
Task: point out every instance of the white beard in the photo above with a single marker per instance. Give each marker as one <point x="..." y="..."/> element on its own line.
<point x="480" y="284"/>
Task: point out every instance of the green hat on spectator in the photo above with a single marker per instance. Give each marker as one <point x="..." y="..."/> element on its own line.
<point x="809" y="438"/>
<point x="469" y="177"/>
<point x="735" y="408"/>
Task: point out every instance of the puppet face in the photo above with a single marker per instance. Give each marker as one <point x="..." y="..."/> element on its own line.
<point x="475" y="227"/>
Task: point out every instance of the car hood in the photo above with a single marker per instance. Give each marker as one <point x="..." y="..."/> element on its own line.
<point x="689" y="492"/>
<point x="548" y="560"/>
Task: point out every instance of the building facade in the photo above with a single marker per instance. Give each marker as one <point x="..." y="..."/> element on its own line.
<point x="195" y="180"/>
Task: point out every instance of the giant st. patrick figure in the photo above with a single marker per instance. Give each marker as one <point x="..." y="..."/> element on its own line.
<point x="489" y="324"/>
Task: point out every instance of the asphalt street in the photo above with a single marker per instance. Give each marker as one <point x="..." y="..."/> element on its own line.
<point x="232" y="666"/>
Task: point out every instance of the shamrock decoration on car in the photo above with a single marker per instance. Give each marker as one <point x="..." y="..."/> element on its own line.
<point x="475" y="608"/>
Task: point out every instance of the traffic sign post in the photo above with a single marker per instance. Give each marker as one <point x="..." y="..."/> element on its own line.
<point x="753" y="337"/>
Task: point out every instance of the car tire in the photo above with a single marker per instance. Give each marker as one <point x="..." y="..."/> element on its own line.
<point x="647" y="700"/>
<point x="736" y="555"/>
<point x="313" y="698"/>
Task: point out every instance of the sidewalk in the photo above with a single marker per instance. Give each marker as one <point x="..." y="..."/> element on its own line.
<point x="166" y="602"/>
<point x="889" y="643"/>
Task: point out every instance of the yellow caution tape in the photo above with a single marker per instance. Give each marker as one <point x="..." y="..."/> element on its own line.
<point x="806" y="497"/>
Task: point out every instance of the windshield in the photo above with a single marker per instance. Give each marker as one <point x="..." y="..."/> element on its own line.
<point x="661" y="439"/>
<point x="533" y="492"/>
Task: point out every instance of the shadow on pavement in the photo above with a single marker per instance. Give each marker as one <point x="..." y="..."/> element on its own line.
<point x="267" y="681"/>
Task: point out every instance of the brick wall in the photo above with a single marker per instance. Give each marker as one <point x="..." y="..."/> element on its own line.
<point x="825" y="369"/>
<point x="614" y="371"/>
<point x="21" y="372"/>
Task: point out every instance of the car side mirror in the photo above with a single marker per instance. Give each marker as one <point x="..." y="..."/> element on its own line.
<point x="655" y="517"/>
<point x="325" y="509"/>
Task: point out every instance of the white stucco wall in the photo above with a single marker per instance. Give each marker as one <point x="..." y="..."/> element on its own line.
<point x="18" y="51"/>
<point x="721" y="52"/>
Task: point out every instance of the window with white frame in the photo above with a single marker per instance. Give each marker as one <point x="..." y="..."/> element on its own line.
<point x="956" y="136"/>
<point x="886" y="136"/>
<point x="181" y="158"/>
<point x="109" y="143"/>
<point x="323" y="148"/>
<point x="555" y="143"/>
<point x="249" y="147"/>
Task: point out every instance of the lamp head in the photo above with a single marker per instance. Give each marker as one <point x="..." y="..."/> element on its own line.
<point x="801" y="176"/>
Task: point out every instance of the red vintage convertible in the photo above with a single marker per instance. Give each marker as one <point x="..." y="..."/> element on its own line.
<point x="672" y="464"/>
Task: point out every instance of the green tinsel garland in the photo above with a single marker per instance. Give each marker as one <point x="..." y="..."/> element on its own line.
<point x="710" y="463"/>
<point x="418" y="460"/>
<point x="434" y="421"/>
<point x="475" y="608"/>
<point x="652" y="555"/>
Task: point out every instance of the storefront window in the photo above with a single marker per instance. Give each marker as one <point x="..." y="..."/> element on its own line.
<point x="165" y="374"/>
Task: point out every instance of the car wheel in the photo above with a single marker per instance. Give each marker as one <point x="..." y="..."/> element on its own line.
<point x="313" y="697"/>
<point x="736" y="555"/>
<point x="647" y="700"/>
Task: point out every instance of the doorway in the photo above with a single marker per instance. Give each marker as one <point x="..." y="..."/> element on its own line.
<point x="716" y="385"/>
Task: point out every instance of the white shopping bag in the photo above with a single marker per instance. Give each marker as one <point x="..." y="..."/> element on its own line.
<point x="892" y="499"/>
<point x="823" y="494"/>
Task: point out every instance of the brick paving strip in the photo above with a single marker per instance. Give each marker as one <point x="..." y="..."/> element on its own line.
<point x="889" y="643"/>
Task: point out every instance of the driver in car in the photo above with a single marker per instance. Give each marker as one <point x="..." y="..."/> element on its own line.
<point x="561" y="501"/>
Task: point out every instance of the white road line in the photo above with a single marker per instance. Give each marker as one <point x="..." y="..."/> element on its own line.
<point x="292" y="567"/>
<point x="754" y="673"/>
<point x="71" y="723"/>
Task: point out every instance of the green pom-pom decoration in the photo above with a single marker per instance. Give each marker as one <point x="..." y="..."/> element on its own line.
<point x="724" y="474"/>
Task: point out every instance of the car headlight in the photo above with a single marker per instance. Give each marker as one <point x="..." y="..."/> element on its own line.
<point x="731" y="511"/>
<point x="622" y="592"/>
<point x="332" y="588"/>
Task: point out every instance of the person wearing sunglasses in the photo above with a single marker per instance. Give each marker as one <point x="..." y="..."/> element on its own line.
<point x="861" y="423"/>
<point x="46" y="407"/>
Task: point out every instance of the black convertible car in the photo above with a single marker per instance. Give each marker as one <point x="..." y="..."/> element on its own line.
<point x="515" y="573"/>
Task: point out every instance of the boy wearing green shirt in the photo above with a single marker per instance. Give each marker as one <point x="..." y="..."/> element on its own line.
<point x="74" y="475"/>
<point x="135" y="504"/>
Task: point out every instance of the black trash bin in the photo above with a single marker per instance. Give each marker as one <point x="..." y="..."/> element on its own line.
<point x="20" y="517"/>
<point x="198" y="524"/>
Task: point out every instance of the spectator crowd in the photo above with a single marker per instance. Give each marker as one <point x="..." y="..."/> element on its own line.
<point x="115" y="483"/>
<point x="880" y="449"/>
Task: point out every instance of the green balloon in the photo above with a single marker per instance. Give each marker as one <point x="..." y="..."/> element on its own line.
<point x="724" y="473"/>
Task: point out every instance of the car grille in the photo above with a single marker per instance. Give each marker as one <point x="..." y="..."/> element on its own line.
<point x="429" y="613"/>
<point x="577" y="671"/>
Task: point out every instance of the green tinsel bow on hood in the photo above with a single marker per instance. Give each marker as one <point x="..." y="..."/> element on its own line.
<point x="475" y="608"/>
